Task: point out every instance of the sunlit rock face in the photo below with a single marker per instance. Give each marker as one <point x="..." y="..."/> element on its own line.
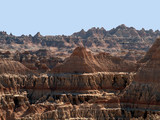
<point x="83" y="61"/>
<point x="12" y="67"/>
<point x="151" y="68"/>
<point x="50" y="96"/>
<point x="91" y="95"/>
<point x="80" y="61"/>
<point x="144" y="92"/>
<point x="84" y="86"/>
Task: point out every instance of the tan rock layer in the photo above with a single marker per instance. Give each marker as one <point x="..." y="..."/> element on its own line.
<point x="83" y="61"/>
<point x="12" y="67"/>
<point x="38" y="86"/>
<point x="144" y="91"/>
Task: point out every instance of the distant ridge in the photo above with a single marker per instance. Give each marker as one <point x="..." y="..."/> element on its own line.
<point x="117" y="41"/>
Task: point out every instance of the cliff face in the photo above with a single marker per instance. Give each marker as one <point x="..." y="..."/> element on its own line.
<point x="149" y="72"/>
<point x="76" y="96"/>
<point x="144" y="91"/>
<point x="67" y="82"/>
<point x="62" y="96"/>
<point x="85" y="85"/>
<point x="83" y="61"/>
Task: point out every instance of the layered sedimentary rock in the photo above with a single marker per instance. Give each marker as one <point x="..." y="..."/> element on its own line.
<point x="83" y="61"/>
<point x="62" y="96"/>
<point x="66" y="82"/>
<point x="40" y="61"/>
<point x="115" y="64"/>
<point x="13" y="67"/>
<point x="70" y="96"/>
<point x="85" y="85"/>
<point x="117" y="41"/>
<point x="79" y="62"/>
<point x="144" y="92"/>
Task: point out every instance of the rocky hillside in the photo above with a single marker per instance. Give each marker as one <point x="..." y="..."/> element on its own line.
<point x="40" y="61"/>
<point x="12" y="67"/>
<point x="62" y="96"/>
<point x="83" y="61"/>
<point x="143" y="92"/>
<point x="37" y="85"/>
<point x="117" y="41"/>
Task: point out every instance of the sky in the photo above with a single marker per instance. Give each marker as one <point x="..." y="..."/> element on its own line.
<point x="64" y="17"/>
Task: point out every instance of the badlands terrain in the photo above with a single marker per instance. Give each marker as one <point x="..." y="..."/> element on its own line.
<point x="89" y="75"/>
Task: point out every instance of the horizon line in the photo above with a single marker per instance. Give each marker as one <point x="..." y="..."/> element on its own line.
<point x="85" y="30"/>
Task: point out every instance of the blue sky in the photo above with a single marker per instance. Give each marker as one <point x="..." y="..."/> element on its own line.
<point x="57" y="17"/>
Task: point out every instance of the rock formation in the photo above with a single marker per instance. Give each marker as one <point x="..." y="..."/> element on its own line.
<point x="37" y="61"/>
<point x="62" y="96"/>
<point x="144" y="92"/>
<point x="13" y="67"/>
<point x="82" y="61"/>
<point x="106" y="85"/>
<point x="115" y="64"/>
<point x="25" y="96"/>
<point x="117" y="41"/>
